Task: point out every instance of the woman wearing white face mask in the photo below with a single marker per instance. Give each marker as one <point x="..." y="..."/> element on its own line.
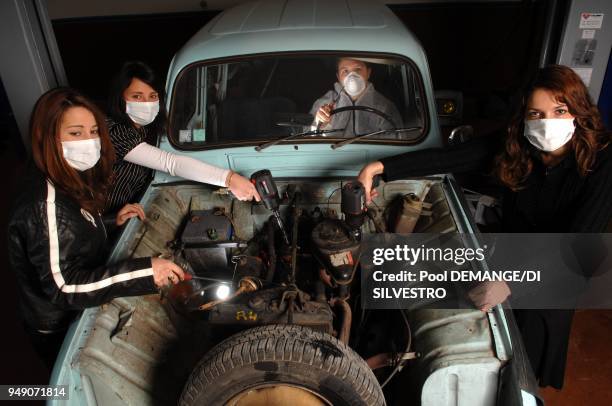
<point x="137" y="120"/>
<point x="556" y="145"/>
<point x="354" y="89"/>
<point x="57" y="240"/>
<point x="556" y="172"/>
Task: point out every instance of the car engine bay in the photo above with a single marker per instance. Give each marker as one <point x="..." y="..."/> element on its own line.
<point x="298" y="266"/>
<point x="250" y="266"/>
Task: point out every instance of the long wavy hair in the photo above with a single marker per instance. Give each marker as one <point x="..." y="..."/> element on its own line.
<point x="514" y="164"/>
<point x="88" y="188"/>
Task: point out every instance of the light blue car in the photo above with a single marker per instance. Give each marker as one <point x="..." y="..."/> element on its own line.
<point x="266" y="322"/>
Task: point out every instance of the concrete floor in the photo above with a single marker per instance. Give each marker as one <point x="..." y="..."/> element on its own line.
<point x="588" y="378"/>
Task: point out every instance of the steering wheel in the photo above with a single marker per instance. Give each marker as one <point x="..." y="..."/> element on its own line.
<point x="365" y="108"/>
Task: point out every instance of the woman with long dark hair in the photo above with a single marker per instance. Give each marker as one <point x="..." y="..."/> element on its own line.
<point x="57" y="240"/>
<point x="556" y="138"/>
<point x="556" y="172"/>
<point x="137" y="119"/>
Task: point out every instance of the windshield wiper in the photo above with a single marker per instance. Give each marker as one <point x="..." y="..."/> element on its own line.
<point x="292" y="136"/>
<point x="358" y="137"/>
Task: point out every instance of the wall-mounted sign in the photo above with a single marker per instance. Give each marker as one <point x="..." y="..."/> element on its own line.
<point x="591" y="21"/>
<point x="588" y="34"/>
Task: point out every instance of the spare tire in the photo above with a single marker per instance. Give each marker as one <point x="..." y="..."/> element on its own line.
<point x="274" y="363"/>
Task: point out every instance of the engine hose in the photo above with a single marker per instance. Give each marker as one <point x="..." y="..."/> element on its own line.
<point x="294" y="238"/>
<point x="271" y="251"/>
<point x="290" y="310"/>
<point x="400" y="364"/>
<point x="380" y="360"/>
<point x="347" y="319"/>
<point x="320" y="291"/>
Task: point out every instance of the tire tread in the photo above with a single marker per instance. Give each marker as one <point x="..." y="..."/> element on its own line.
<point x="282" y="343"/>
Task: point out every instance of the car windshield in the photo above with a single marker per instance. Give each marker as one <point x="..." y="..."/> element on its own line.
<point x="261" y="98"/>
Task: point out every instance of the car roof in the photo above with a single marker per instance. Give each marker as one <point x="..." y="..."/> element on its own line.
<point x="271" y="26"/>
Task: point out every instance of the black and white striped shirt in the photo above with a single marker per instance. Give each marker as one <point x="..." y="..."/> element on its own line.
<point x="131" y="180"/>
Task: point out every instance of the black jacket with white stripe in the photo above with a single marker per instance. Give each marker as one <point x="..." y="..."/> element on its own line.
<point x="58" y="252"/>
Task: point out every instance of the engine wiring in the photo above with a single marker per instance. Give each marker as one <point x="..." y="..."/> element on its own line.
<point x="330" y="196"/>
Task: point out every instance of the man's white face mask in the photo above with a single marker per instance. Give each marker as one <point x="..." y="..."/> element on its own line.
<point x="82" y="154"/>
<point x="142" y="113"/>
<point x="549" y="134"/>
<point x="354" y="84"/>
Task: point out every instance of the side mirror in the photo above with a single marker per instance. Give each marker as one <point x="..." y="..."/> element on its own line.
<point x="461" y="134"/>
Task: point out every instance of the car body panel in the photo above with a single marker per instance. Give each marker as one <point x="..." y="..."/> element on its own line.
<point x="308" y="160"/>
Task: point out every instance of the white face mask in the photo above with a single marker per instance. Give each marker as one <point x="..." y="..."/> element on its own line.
<point x="142" y="113"/>
<point x="354" y="84"/>
<point x="549" y="134"/>
<point x="82" y="154"/>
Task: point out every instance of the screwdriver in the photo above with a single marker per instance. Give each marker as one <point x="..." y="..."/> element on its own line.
<point x="265" y="186"/>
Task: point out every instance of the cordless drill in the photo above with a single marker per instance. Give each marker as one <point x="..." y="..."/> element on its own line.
<point x="353" y="206"/>
<point x="269" y="196"/>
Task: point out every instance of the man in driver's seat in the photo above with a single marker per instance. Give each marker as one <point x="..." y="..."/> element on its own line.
<point x="354" y="89"/>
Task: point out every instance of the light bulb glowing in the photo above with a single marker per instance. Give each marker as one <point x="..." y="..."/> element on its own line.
<point x="222" y="292"/>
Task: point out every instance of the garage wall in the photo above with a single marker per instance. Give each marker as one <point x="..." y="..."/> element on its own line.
<point x="486" y="51"/>
<point x="94" y="48"/>
<point x="77" y="8"/>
